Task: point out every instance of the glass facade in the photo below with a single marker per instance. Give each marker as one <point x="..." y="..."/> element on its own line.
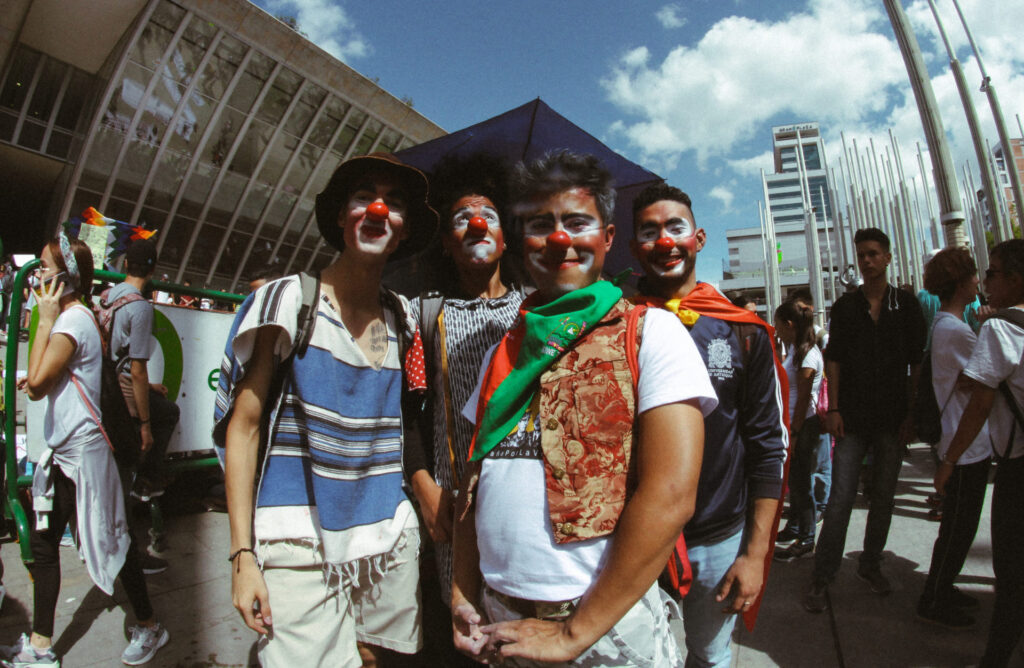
<point x="212" y="141"/>
<point x="41" y="101"/>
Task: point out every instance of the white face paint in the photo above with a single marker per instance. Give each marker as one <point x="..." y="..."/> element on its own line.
<point x="366" y="233"/>
<point x="460" y="219"/>
<point x="677" y="229"/>
<point x="478" y="248"/>
<point x="575" y="226"/>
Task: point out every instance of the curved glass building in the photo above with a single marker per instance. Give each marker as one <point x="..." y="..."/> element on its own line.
<point x="209" y="121"/>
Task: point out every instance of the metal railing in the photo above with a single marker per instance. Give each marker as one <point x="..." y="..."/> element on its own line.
<point x="12" y="505"/>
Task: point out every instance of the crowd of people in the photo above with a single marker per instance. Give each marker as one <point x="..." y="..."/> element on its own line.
<point x="525" y="465"/>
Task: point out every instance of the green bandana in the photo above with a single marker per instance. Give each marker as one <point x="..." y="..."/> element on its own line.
<point x="542" y="335"/>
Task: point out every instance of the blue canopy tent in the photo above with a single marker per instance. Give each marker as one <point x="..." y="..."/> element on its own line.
<point x="528" y="132"/>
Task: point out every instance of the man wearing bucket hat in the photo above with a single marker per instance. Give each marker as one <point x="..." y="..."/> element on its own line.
<point x="325" y="554"/>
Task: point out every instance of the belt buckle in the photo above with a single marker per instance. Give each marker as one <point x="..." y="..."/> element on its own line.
<point x="553" y="610"/>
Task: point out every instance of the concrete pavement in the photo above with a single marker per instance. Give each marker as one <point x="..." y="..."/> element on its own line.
<point x="861" y="629"/>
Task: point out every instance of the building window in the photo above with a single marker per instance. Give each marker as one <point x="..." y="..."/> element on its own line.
<point x="41" y="102"/>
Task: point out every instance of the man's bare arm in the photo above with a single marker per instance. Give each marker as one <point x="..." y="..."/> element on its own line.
<point x="745" y="577"/>
<point x="242" y="442"/>
<point x="668" y="464"/>
<point x="834" y="421"/>
<point x="140" y="391"/>
<point x="466" y="577"/>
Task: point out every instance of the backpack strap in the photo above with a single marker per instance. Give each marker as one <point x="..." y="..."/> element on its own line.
<point x="431" y="305"/>
<point x="310" y="284"/>
<point x="633" y="342"/>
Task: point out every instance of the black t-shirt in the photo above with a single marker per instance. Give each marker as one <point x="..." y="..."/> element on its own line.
<point x="874" y="357"/>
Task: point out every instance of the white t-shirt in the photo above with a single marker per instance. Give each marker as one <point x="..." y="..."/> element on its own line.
<point x="518" y="553"/>
<point x="67" y="420"/>
<point x="952" y="344"/>
<point x="812" y="360"/>
<point x="997" y="357"/>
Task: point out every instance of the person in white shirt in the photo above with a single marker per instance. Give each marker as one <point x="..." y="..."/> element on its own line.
<point x="76" y="475"/>
<point x="997" y="394"/>
<point x="952" y="276"/>
<point x="805" y="367"/>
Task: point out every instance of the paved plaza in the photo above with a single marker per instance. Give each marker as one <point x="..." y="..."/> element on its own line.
<point x="193" y="597"/>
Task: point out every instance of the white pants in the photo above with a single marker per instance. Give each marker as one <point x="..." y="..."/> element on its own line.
<point x="317" y="622"/>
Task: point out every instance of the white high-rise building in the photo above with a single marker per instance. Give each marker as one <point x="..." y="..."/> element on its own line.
<point x="800" y="172"/>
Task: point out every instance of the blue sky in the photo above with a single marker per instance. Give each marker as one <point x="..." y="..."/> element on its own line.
<point x="688" y="89"/>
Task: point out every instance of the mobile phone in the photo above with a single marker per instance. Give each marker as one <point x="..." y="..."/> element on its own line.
<point x="61" y="277"/>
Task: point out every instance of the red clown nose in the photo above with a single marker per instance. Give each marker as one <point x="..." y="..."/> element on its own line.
<point x="378" y="212"/>
<point x="665" y="245"/>
<point x="559" y="241"/>
<point x="477" y="226"/>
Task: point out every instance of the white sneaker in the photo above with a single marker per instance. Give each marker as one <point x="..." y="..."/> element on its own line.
<point x="23" y="655"/>
<point x="146" y="640"/>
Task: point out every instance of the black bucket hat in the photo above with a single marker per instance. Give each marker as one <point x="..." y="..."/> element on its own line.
<point x="420" y="219"/>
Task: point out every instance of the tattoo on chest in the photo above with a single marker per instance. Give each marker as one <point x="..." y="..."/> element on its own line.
<point x="378" y="338"/>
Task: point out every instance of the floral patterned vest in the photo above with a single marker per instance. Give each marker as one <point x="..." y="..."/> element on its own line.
<point x="587" y="408"/>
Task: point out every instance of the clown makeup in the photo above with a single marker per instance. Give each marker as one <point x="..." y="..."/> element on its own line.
<point x="370" y="233"/>
<point x="565" y="241"/>
<point x="666" y="240"/>
<point x="676" y="228"/>
<point x="475" y="236"/>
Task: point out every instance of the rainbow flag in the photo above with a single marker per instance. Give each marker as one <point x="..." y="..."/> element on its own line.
<point x="119" y="233"/>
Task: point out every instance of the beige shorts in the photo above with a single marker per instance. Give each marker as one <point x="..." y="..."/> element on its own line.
<point x="316" y="622"/>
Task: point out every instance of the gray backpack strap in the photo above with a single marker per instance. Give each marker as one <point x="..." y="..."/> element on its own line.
<point x="310" y="285"/>
<point x="431" y="304"/>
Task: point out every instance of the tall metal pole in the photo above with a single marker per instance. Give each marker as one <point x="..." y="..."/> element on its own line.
<point x="993" y="100"/>
<point x="828" y="246"/>
<point x="770" y="223"/>
<point x="768" y="257"/>
<point x="811" y="237"/>
<point x="987" y="180"/>
<point x="977" y="225"/>
<point x="951" y="214"/>
<point x="928" y="199"/>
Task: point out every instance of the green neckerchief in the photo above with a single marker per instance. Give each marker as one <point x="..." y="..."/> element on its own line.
<point x="542" y="335"/>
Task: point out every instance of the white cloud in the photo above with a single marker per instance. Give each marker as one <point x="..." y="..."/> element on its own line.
<point x="723" y="195"/>
<point x="834" y="62"/>
<point x="829" y="63"/>
<point x="752" y="166"/>
<point x="669" y="16"/>
<point x="326" y="24"/>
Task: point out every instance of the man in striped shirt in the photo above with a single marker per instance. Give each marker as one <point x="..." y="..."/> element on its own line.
<point x="330" y="541"/>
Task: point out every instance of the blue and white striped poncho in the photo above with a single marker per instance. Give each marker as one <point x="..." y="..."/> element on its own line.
<point x="332" y="475"/>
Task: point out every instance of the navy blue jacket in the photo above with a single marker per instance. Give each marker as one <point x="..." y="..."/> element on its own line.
<point x="744" y="438"/>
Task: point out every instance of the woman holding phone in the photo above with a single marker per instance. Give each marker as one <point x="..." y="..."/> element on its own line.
<point x="76" y="474"/>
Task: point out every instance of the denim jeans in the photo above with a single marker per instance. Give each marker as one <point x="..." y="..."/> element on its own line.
<point x="801" y="479"/>
<point x="822" y="473"/>
<point x="887" y="457"/>
<point x="708" y="631"/>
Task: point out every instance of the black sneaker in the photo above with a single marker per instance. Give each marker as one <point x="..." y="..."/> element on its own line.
<point x="873" y="576"/>
<point x="142" y="490"/>
<point x="958" y="599"/>
<point x="796" y="549"/>
<point x="152" y="565"/>
<point x="947" y="616"/>
<point x="787" y="535"/>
